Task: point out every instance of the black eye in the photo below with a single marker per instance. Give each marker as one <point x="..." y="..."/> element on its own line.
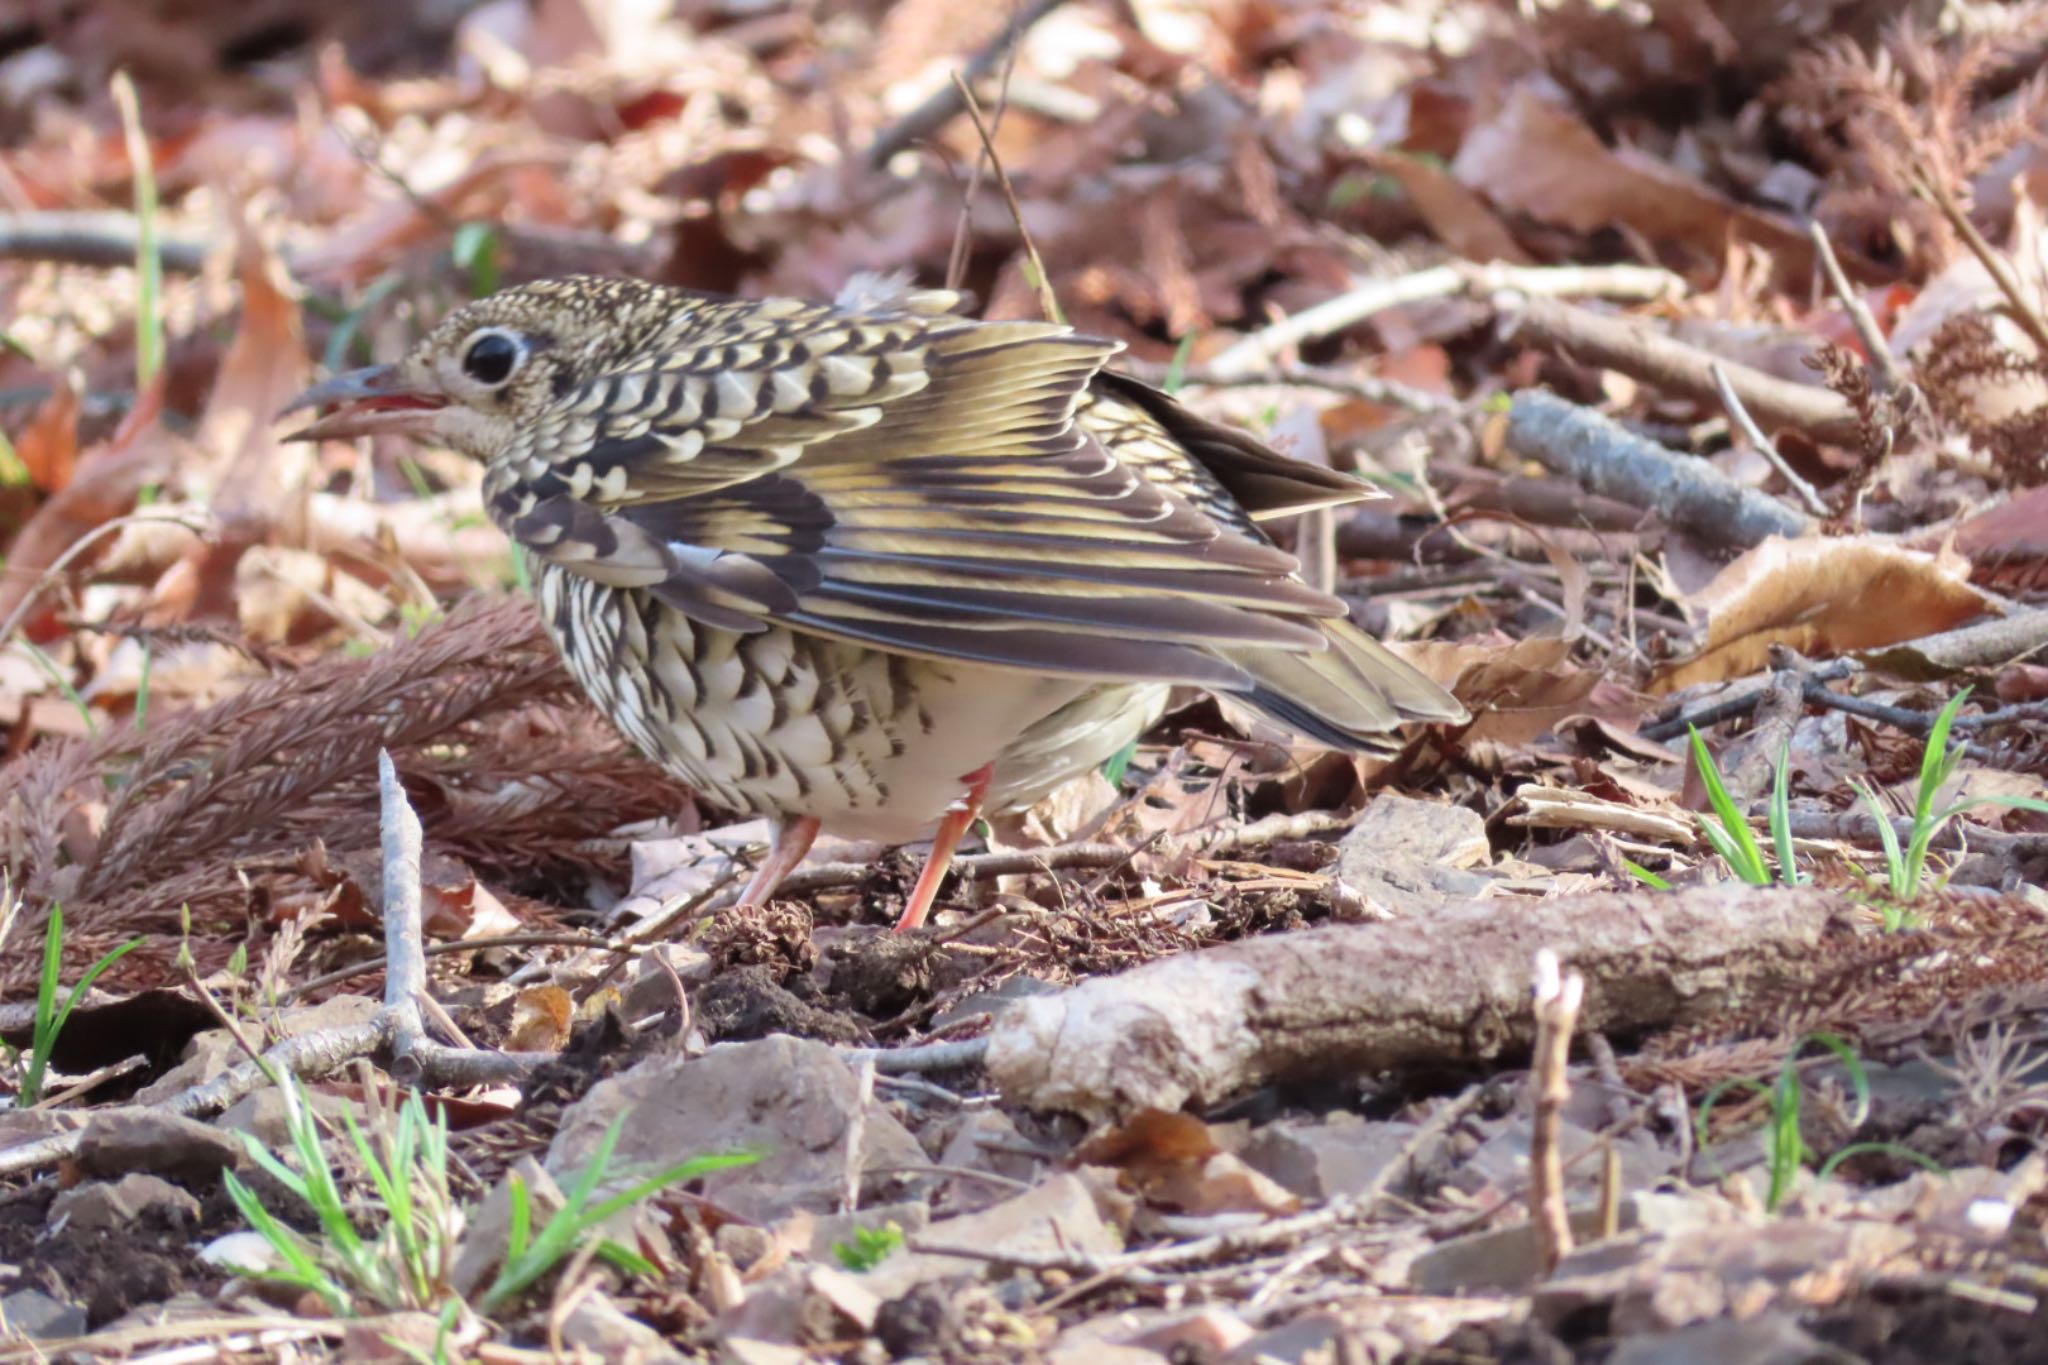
<point x="491" y="358"/>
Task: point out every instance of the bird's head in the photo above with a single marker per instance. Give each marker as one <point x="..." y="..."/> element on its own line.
<point x="492" y="366"/>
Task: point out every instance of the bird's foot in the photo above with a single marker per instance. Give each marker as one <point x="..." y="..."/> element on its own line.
<point x="793" y="839"/>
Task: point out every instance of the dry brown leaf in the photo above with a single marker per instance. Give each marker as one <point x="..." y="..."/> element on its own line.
<point x="1517" y="690"/>
<point x="48" y="445"/>
<point x="1823" y="597"/>
<point x="264" y="367"/>
<point x="541" y="1017"/>
<point x="1173" y="1161"/>
<point x="1457" y="214"/>
<point x="1537" y="157"/>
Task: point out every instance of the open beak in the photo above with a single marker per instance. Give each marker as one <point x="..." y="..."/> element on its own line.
<point x="365" y="401"/>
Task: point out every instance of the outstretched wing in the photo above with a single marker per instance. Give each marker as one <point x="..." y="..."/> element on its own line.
<point x="914" y="482"/>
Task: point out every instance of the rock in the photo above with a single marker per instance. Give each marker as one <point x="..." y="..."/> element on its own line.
<point x="1774" y="1339"/>
<point x="1199" y="1334"/>
<point x="1497" y="1259"/>
<point x="1104" y="1353"/>
<point x="1502" y="1160"/>
<point x="1058" y="1216"/>
<point x="748" y="1351"/>
<point x="489" y="1231"/>
<point x="1332" y="1157"/>
<point x="261" y="1114"/>
<point x="1291" y="1343"/>
<point x="848" y="1294"/>
<point x="829" y="1230"/>
<point x="117" y="1141"/>
<point x="1432" y="832"/>
<point x="409" y="1336"/>
<point x="102" y="1205"/>
<point x="1409" y="857"/>
<point x="207" y="1056"/>
<point x="795" y="1102"/>
<point x="982" y="1141"/>
<point x="602" y="1327"/>
<point x="33" y="1314"/>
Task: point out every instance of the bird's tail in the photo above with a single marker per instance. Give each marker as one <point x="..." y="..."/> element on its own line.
<point x="1352" y="696"/>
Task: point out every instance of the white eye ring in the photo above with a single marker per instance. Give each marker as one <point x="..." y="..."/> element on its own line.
<point x="493" y="355"/>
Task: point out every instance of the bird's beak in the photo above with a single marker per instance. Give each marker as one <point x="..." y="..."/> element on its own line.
<point x="376" y="399"/>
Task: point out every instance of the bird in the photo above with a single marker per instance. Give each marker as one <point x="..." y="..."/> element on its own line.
<point x="873" y="566"/>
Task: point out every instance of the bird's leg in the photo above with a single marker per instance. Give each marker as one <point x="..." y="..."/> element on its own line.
<point x="793" y="839"/>
<point x="959" y="816"/>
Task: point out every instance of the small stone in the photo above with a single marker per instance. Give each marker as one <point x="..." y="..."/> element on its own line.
<point x="262" y="1114"/>
<point x="602" y="1327"/>
<point x="244" y="1250"/>
<point x="117" y="1141"/>
<point x="791" y="1100"/>
<point x="103" y="1205"/>
<point x="1059" y="1216"/>
<point x="33" y="1314"/>
<point x="1330" y="1158"/>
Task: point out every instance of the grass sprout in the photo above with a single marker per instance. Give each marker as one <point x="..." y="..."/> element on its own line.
<point x="396" y="1250"/>
<point x="1787" y="1147"/>
<point x="50" y="1016"/>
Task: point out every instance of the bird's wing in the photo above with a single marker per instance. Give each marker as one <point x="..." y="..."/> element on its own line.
<point x="938" y="499"/>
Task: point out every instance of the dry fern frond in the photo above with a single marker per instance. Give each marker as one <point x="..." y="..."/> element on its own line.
<point x="1992" y="393"/>
<point x="1913" y="110"/>
<point x="216" y="808"/>
<point x="1977" y="958"/>
<point x="1912" y="120"/>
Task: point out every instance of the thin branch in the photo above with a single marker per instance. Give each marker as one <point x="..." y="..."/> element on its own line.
<point x="1263" y="348"/>
<point x="1995" y="261"/>
<point x="1047" y="303"/>
<point x="945" y="103"/>
<point x="1765" y="446"/>
<point x="1879" y="351"/>
<point x="1557" y="1010"/>
<point x="1369" y="388"/>
<point x="1635" y="348"/>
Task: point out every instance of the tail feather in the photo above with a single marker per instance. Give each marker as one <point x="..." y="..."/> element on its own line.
<point x="1352" y="696"/>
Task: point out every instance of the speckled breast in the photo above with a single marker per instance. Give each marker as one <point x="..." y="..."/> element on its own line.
<point x="876" y="745"/>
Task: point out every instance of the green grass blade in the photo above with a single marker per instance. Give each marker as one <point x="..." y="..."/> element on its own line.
<point x="1748" y="862"/>
<point x="1781" y="818"/>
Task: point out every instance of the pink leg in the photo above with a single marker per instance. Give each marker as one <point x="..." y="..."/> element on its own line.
<point x="793" y="839"/>
<point x="959" y="816"/>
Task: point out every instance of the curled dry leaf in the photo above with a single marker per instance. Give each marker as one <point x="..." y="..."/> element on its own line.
<point x="1516" y="690"/>
<point x="1823" y="597"/>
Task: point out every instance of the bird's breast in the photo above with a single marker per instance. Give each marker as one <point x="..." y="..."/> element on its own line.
<point x="874" y="744"/>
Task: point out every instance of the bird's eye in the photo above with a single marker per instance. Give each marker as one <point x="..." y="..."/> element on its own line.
<point x="491" y="357"/>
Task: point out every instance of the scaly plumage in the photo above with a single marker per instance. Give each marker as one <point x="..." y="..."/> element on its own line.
<point x="873" y="565"/>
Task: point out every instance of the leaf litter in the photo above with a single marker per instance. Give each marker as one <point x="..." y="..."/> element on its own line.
<point x="1227" y="1052"/>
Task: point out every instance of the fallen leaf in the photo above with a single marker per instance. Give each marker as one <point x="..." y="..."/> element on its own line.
<point x="1537" y="157"/>
<point x="1516" y="690"/>
<point x="1822" y="597"/>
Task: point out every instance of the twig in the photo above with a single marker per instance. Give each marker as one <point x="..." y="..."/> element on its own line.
<point x="947" y="1056"/>
<point x="1262" y="348"/>
<point x="1995" y="261"/>
<point x="405" y="975"/>
<point x="1369" y="388"/>
<point x="1635" y="348"/>
<point x="414" y="1057"/>
<point x="945" y="103"/>
<point x="1557" y="1010"/>
<point x="104" y="238"/>
<point x="462" y="945"/>
<point x="1608" y="459"/>
<point x="1765" y="446"/>
<point x="186" y="518"/>
<point x="1047" y="303"/>
<point x="1884" y="368"/>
